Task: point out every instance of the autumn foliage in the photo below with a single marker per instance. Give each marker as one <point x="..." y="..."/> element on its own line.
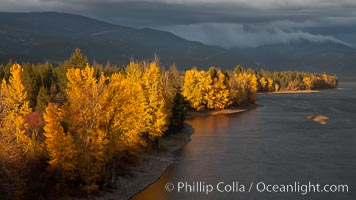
<point x="71" y="126"/>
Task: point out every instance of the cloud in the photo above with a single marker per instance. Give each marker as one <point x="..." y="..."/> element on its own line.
<point x="227" y="23"/>
<point x="159" y="12"/>
<point x="238" y="35"/>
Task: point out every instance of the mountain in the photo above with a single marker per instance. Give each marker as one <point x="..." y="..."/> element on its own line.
<point x="37" y="37"/>
<point x="301" y="55"/>
<point x="41" y="36"/>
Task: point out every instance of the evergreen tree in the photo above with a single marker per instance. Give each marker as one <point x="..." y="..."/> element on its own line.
<point x="31" y="82"/>
<point x="178" y="113"/>
<point x="76" y="60"/>
<point x="42" y="99"/>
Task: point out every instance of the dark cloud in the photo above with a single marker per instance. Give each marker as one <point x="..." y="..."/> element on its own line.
<point x="237" y="35"/>
<point x="227" y="23"/>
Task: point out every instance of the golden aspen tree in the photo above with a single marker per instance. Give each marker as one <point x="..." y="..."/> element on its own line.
<point x="123" y="115"/>
<point x="224" y="95"/>
<point x="218" y="95"/>
<point x="270" y="84"/>
<point x="205" y="85"/>
<point x="276" y="87"/>
<point x="15" y="145"/>
<point x="83" y="113"/>
<point x="253" y="88"/>
<point x="195" y="88"/>
<point x="125" y="111"/>
<point x="156" y="106"/>
<point x="133" y="71"/>
<point x="60" y="146"/>
<point x="233" y="88"/>
<point x="263" y="83"/>
<point x="308" y="83"/>
<point x="191" y="91"/>
<point x="242" y="88"/>
<point x="15" y="107"/>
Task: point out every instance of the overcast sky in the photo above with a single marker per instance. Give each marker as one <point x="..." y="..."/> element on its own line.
<point x="228" y="23"/>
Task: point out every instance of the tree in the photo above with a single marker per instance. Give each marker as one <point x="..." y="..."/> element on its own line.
<point x="196" y="83"/>
<point x="156" y="120"/>
<point x="253" y="88"/>
<point x="242" y="87"/>
<point x="270" y="84"/>
<point x="308" y="83"/>
<point x="60" y="146"/>
<point x="83" y="113"/>
<point x="263" y="84"/>
<point x="76" y="60"/>
<point x="15" y="107"/>
<point x="178" y="113"/>
<point x="31" y="83"/>
<point x="42" y="99"/>
<point x="15" y="145"/>
<point x="218" y="96"/>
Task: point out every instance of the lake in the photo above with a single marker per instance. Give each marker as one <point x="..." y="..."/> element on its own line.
<point x="275" y="144"/>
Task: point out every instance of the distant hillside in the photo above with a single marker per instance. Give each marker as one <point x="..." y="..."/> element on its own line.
<point x="305" y="56"/>
<point x="53" y="36"/>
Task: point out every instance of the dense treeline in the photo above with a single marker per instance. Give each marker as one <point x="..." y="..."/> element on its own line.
<point x="214" y="89"/>
<point x="71" y="126"/>
<point x="292" y="80"/>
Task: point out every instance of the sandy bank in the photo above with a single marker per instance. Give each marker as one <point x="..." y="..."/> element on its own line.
<point x="291" y="92"/>
<point x="150" y="168"/>
<point x="192" y="114"/>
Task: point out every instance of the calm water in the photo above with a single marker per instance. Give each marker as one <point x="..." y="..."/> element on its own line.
<point x="274" y="144"/>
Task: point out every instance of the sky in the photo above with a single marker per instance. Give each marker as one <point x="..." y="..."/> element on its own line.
<point x="227" y="23"/>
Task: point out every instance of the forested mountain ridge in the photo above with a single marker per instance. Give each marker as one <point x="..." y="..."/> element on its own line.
<point x="36" y="37"/>
<point x="41" y="36"/>
<point x="302" y="55"/>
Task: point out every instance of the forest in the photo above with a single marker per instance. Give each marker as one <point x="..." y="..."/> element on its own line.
<point x="71" y="126"/>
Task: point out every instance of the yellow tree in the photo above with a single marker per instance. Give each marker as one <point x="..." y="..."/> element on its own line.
<point x="308" y="82"/>
<point x="123" y="114"/>
<point x="83" y="112"/>
<point x="76" y="60"/>
<point x="15" y="145"/>
<point x="270" y="84"/>
<point x="60" y="146"/>
<point x="218" y="96"/>
<point x="102" y="117"/>
<point x="263" y="83"/>
<point x="276" y="87"/>
<point x="195" y="88"/>
<point x="156" y="121"/>
<point x="242" y="87"/>
<point x="253" y="88"/>
<point x="14" y="108"/>
<point x="124" y="107"/>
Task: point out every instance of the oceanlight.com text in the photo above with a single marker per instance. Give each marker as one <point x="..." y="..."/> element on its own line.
<point x="261" y="187"/>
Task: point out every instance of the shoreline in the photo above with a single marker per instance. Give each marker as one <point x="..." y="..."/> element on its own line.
<point x="155" y="163"/>
<point x="291" y="92"/>
<point x="192" y="114"/>
<point x="152" y="166"/>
